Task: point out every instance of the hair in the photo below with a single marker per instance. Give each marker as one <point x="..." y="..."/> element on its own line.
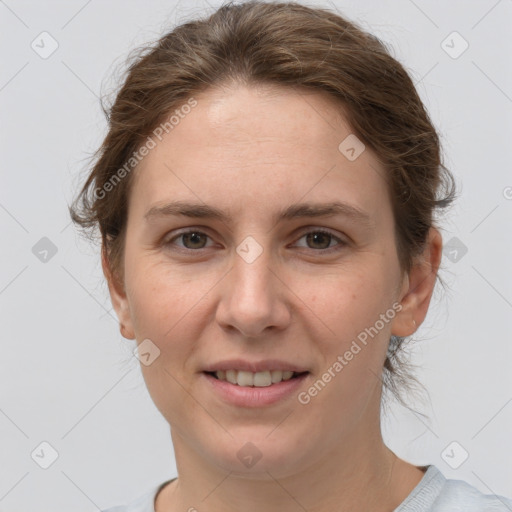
<point x="282" y="44"/>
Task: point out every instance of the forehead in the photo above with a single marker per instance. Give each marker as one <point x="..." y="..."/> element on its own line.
<point x="260" y="146"/>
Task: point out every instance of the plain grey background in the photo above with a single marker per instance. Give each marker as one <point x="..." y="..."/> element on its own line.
<point x="68" y="378"/>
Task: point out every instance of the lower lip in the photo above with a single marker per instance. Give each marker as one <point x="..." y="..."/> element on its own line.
<point x="242" y="396"/>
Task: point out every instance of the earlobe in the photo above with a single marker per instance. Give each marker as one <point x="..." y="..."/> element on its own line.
<point x="118" y="298"/>
<point x="419" y="287"/>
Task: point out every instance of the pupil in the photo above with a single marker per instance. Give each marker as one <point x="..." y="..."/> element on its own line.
<point x="315" y="236"/>
<point x="195" y="237"/>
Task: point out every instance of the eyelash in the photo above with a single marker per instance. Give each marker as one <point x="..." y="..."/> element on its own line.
<point x="341" y="243"/>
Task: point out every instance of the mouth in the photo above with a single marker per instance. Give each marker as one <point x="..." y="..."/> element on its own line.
<point x="262" y="379"/>
<point x="254" y="390"/>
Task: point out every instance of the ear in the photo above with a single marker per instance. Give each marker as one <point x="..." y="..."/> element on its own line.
<point x="118" y="298"/>
<point x="418" y="287"/>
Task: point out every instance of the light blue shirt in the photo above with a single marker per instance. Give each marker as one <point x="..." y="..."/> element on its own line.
<point x="434" y="493"/>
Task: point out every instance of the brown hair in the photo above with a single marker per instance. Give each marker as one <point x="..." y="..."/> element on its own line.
<point x="283" y="44"/>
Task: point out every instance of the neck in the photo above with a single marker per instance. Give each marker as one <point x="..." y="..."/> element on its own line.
<point x="360" y="474"/>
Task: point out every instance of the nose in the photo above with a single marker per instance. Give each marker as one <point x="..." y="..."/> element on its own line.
<point x="254" y="296"/>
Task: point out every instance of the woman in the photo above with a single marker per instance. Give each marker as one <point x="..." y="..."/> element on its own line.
<point x="266" y="197"/>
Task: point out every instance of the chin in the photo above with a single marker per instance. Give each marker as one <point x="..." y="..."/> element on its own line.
<point x="257" y="452"/>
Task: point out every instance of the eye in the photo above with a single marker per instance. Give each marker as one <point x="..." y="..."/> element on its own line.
<point x="193" y="239"/>
<point x="322" y="239"/>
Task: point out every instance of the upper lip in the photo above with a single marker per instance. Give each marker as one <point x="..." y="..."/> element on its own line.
<point x="254" y="366"/>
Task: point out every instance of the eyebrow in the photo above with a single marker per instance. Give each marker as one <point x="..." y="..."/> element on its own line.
<point x="295" y="211"/>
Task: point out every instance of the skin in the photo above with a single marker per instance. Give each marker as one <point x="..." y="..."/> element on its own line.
<point x="252" y="151"/>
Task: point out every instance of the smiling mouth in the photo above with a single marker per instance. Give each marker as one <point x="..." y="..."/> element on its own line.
<point x="257" y="379"/>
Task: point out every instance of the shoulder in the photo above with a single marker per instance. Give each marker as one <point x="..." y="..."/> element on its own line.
<point x="459" y="495"/>
<point x="436" y="493"/>
<point x="144" y="503"/>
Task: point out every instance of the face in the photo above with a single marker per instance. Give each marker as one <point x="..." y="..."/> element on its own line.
<point x="255" y="285"/>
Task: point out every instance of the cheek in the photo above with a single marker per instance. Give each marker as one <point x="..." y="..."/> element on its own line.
<point x="354" y="346"/>
<point x="355" y="313"/>
<point x="172" y="309"/>
<point x="349" y="302"/>
<point x="161" y="296"/>
<point x="168" y="310"/>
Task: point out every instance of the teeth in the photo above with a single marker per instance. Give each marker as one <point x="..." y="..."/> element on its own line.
<point x="258" y="379"/>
